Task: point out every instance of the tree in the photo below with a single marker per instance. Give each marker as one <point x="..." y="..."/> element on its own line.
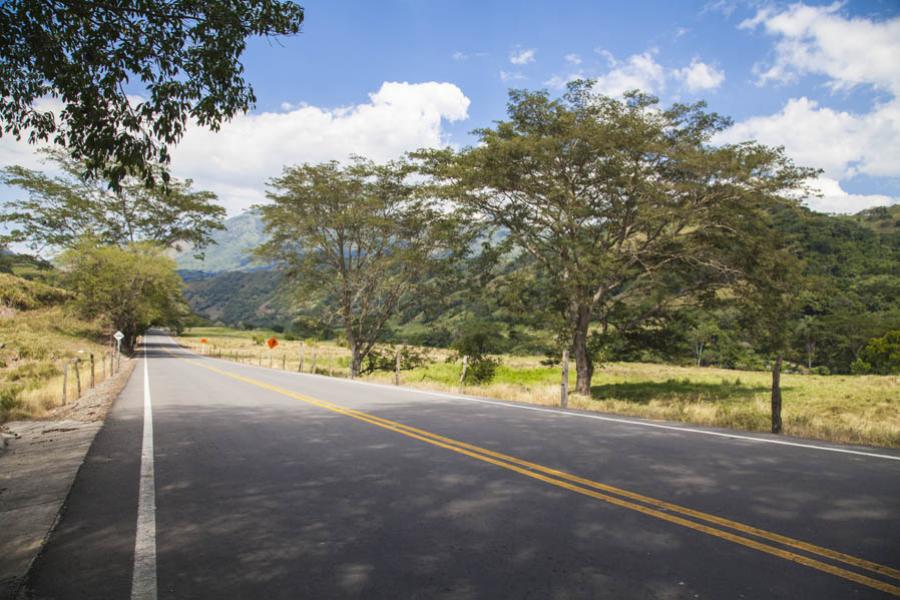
<point x="881" y="355"/>
<point x="358" y="239"/>
<point x="60" y="210"/>
<point x="624" y="205"/>
<point x="184" y="53"/>
<point x="129" y="288"/>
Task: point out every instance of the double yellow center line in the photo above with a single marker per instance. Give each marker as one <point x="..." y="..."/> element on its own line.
<point x="726" y="529"/>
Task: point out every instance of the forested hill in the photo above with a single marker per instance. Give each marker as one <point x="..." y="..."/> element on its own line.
<point x="854" y="260"/>
<point x="231" y="248"/>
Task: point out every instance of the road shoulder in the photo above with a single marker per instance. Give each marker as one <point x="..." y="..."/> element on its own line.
<point x="37" y="469"/>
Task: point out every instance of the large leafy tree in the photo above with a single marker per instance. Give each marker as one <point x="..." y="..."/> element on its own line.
<point x="358" y="240"/>
<point x="625" y="205"/>
<point x="128" y="74"/>
<point x="129" y="288"/>
<point x="61" y="209"/>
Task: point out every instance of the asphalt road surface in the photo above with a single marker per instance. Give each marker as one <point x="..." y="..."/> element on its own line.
<point x="217" y="480"/>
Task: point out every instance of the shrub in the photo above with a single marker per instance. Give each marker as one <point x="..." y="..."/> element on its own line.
<point x="385" y="359"/>
<point x="881" y="355"/>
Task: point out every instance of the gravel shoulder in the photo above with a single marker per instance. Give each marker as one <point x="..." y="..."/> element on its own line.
<point x="38" y="464"/>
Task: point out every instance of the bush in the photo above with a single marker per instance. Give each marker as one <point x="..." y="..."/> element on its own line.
<point x="477" y="340"/>
<point x="9" y="397"/>
<point x="881" y="356"/>
<point x="385" y="359"/>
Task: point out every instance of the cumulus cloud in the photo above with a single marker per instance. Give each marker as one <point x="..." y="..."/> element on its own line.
<point x="522" y="56"/>
<point x="834" y="199"/>
<point x="236" y="161"/>
<point x="638" y="71"/>
<point x="643" y="72"/>
<point x="849" y="52"/>
<point x="818" y="39"/>
<point x="699" y="76"/>
<point x="573" y="59"/>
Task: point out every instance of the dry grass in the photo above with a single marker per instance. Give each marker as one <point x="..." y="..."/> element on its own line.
<point x="840" y="408"/>
<point x="36" y="346"/>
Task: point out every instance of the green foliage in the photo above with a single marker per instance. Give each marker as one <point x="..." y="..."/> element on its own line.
<point x="61" y="209"/>
<point x="356" y="241"/>
<point x="186" y="54"/>
<point x="477" y="341"/>
<point x="130" y="288"/>
<point x="611" y="200"/>
<point x="385" y="359"/>
<point x="881" y="356"/>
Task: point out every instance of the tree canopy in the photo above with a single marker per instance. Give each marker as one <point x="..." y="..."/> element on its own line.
<point x="130" y="288"/>
<point x="623" y="205"/>
<point x="61" y="209"/>
<point x="87" y="57"/>
<point x="357" y="239"/>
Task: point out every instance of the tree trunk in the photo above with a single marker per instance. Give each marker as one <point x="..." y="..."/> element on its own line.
<point x="355" y="361"/>
<point x="584" y="366"/>
<point x="776" y="395"/>
<point x="699" y="353"/>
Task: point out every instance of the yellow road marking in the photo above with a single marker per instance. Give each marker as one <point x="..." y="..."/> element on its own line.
<point x="536" y="471"/>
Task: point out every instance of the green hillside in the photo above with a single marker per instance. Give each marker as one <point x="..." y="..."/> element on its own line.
<point x="232" y="247"/>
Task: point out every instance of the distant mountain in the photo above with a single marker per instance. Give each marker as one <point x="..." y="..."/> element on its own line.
<point x="232" y="250"/>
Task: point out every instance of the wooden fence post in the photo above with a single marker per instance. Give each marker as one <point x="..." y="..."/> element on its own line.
<point x="564" y="387"/>
<point x="284" y="362"/>
<point x="300" y="366"/>
<point x="462" y="376"/>
<point x="93" y="376"/>
<point x="312" y="367"/>
<point x="77" y="378"/>
<point x="397" y="368"/>
<point x="65" y="396"/>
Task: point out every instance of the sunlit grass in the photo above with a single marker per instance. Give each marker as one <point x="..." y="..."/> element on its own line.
<point x="842" y="408"/>
<point x="37" y="343"/>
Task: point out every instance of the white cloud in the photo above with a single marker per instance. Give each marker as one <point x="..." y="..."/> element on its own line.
<point x="237" y="161"/>
<point x="561" y="81"/>
<point x="699" y="76"/>
<point x="817" y="39"/>
<point x="511" y="76"/>
<point x="834" y="199"/>
<point x="638" y="71"/>
<point x="461" y="56"/>
<point x="844" y="144"/>
<point x="573" y="59"/>
<point x="642" y="72"/>
<point x="849" y="52"/>
<point x="522" y="56"/>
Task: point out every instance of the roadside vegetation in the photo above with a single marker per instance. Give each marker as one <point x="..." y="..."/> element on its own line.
<point x="860" y="409"/>
<point x="39" y="333"/>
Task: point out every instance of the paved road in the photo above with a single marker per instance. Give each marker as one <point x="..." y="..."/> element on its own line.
<point x="278" y="485"/>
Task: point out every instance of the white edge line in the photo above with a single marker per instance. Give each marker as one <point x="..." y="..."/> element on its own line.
<point x="143" y="581"/>
<point x="687" y="429"/>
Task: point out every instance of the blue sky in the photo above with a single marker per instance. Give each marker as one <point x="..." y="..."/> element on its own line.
<point x="382" y="78"/>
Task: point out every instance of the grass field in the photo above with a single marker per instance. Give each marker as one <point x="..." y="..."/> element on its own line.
<point x="39" y="335"/>
<point x="854" y="409"/>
